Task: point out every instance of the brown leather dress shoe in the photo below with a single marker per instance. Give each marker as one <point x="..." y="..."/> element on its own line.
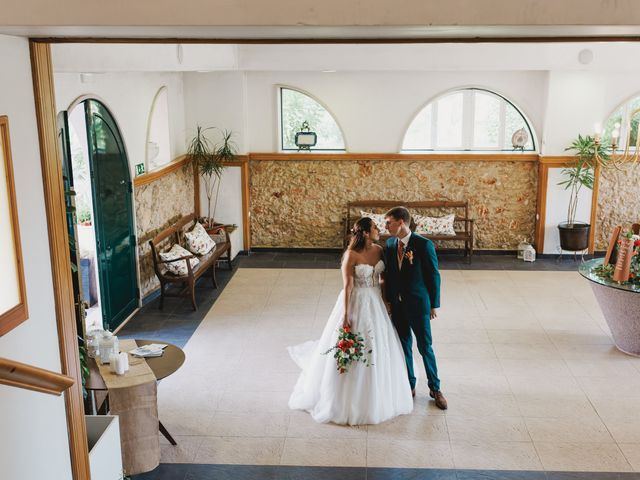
<point x="413" y="392"/>
<point x="441" y="402"/>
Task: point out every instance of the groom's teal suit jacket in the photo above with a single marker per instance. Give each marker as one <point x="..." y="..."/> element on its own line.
<point x="417" y="284"/>
<point x="413" y="291"/>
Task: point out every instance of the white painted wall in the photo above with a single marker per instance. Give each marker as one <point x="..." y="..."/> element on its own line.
<point x="557" y="204"/>
<point x="218" y="99"/>
<point x="129" y="97"/>
<point x="374" y="109"/>
<point x="33" y="429"/>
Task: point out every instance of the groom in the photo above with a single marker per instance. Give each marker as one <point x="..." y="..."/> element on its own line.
<point x="413" y="289"/>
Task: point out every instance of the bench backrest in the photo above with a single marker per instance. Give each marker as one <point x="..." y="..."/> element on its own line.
<point x="460" y="208"/>
<point x="176" y="231"/>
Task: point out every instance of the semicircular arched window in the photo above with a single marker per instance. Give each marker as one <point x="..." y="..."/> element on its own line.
<point x="295" y="109"/>
<point x="625" y="120"/>
<point x="469" y="120"/>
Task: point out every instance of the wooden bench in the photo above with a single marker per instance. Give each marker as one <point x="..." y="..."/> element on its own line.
<point x="463" y="225"/>
<point x="174" y="234"/>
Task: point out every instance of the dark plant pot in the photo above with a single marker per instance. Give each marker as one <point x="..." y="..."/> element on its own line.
<point x="574" y="237"/>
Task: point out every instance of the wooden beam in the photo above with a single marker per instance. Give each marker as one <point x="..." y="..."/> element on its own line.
<point x="331" y="41"/>
<point x="402" y="157"/>
<point x="50" y="158"/>
<point x="158" y="173"/>
<point x="21" y="375"/>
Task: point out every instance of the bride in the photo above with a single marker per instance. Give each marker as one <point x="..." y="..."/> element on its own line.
<point x="365" y="394"/>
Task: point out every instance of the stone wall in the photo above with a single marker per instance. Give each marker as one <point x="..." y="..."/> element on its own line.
<point x="158" y="205"/>
<point x="299" y="204"/>
<point x="618" y="202"/>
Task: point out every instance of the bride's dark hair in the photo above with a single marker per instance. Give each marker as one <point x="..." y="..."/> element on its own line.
<point x="358" y="239"/>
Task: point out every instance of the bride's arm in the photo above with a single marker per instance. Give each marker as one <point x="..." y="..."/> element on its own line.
<point x="348" y="265"/>
<point x="383" y="289"/>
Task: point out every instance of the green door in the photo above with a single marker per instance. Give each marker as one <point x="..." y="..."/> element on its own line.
<point x="113" y="213"/>
<point x="70" y="207"/>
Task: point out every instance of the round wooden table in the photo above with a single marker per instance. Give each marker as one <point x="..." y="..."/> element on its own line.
<point x="170" y="361"/>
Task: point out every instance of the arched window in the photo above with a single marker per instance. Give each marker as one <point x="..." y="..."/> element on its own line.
<point x="158" y="134"/>
<point x="624" y="118"/>
<point x="295" y="109"/>
<point x="471" y="119"/>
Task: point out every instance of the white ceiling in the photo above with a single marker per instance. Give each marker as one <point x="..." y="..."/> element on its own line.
<point x="98" y="58"/>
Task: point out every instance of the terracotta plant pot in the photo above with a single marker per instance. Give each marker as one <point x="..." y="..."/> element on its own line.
<point x="574" y="237"/>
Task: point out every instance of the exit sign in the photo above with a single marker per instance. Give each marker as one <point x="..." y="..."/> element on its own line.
<point x="139" y="169"/>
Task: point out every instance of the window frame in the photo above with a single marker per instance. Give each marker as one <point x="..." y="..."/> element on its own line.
<point x="468" y="124"/>
<point x="625" y="123"/>
<point x="279" y="108"/>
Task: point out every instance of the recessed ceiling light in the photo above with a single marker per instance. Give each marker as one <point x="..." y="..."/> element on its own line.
<point x="329" y="71"/>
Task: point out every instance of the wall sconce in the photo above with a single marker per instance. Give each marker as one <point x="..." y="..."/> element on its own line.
<point x="305" y="138"/>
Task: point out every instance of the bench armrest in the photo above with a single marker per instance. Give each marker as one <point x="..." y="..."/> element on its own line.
<point x="186" y="257"/>
<point x="223" y="228"/>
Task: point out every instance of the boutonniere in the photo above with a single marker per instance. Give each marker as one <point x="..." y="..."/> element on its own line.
<point x="409" y="256"/>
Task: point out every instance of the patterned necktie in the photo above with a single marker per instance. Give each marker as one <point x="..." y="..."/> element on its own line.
<point x="400" y="251"/>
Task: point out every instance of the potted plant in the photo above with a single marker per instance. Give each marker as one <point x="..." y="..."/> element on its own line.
<point x="589" y="152"/>
<point x="210" y="161"/>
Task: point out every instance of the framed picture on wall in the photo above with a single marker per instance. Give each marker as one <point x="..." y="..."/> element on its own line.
<point x="13" y="297"/>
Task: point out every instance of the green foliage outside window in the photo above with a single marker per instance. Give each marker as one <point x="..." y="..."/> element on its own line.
<point x="296" y="107"/>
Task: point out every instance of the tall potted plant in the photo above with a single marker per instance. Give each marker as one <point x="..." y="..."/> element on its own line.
<point x="588" y="153"/>
<point x="210" y="161"/>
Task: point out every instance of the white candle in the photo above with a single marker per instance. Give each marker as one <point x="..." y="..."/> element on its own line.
<point x="113" y="362"/>
<point x="124" y="356"/>
<point x="120" y="368"/>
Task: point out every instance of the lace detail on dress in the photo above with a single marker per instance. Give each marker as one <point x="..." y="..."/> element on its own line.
<point x="368" y="275"/>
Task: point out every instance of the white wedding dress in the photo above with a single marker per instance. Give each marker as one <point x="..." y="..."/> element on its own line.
<point x="364" y="394"/>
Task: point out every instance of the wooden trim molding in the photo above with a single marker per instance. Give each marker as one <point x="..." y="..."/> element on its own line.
<point x="246" y="205"/>
<point x="426" y="157"/>
<point x="19" y="312"/>
<point x="541" y="207"/>
<point x="50" y="158"/>
<point x="594" y="209"/>
<point x="158" y="173"/>
<point x="21" y="375"/>
<point x="556" y="160"/>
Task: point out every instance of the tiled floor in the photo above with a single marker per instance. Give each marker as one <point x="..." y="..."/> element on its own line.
<point x="527" y="364"/>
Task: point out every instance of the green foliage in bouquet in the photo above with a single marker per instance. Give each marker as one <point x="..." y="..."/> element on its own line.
<point x="349" y="348"/>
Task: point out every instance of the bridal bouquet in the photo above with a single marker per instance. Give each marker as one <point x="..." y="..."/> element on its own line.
<point x="349" y="348"/>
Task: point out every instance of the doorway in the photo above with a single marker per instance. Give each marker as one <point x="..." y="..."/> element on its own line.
<point x="102" y="235"/>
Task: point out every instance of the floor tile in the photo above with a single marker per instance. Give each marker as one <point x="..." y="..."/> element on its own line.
<point x="249" y="425"/>
<point x="325" y="452"/>
<point x="590" y="457"/>
<point x="495" y="455"/>
<point x="236" y="450"/>
<point x="303" y="426"/>
<point x="570" y="430"/>
<point x="487" y="429"/>
<point x="408" y="453"/>
<point x="411" y="427"/>
<point x="632" y="453"/>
